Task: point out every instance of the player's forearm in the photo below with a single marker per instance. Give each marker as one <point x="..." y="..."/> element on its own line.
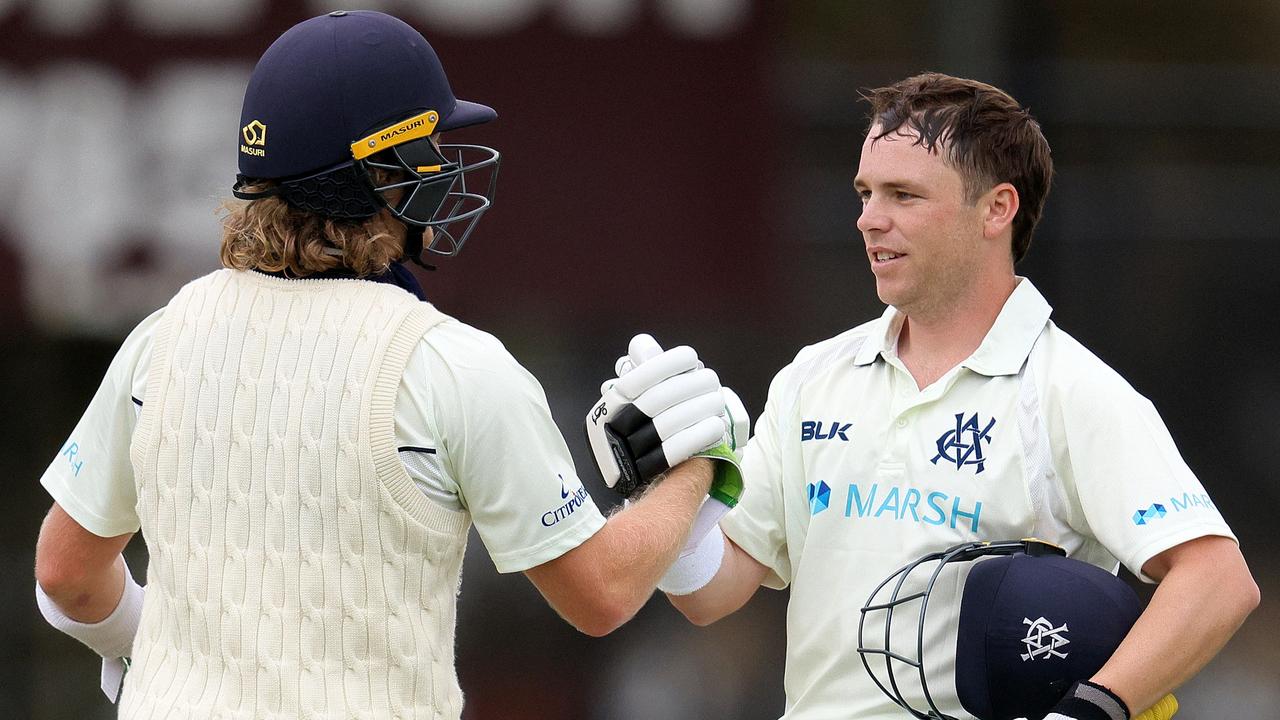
<point x="1197" y="607"/>
<point x="734" y="583"/>
<point x="603" y="582"/>
<point x="639" y="543"/>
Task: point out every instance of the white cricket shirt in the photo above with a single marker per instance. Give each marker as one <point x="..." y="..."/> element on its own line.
<point x="472" y="425"/>
<point x="854" y="472"/>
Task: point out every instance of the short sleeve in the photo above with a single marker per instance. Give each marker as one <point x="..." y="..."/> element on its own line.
<point x="757" y="523"/>
<point x="92" y="475"/>
<point x="1135" y="493"/>
<point x="499" y="445"/>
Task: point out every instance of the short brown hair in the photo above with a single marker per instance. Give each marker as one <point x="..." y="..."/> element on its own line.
<point x="987" y="137"/>
<point x="272" y="236"/>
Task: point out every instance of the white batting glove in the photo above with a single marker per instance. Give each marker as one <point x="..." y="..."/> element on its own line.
<point x="654" y="418"/>
<point x="737" y="422"/>
<point x="655" y="415"/>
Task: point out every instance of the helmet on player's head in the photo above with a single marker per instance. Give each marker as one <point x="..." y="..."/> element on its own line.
<point x="340" y="95"/>
<point x="1032" y="622"/>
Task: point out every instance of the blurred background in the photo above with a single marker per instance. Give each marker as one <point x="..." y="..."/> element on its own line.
<point x="682" y="167"/>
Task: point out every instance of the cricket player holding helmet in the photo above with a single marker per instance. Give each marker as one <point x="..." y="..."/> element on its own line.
<point x="304" y="442"/>
<point x="1007" y="666"/>
<point x="962" y="414"/>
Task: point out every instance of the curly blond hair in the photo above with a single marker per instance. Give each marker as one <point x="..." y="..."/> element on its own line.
<point x="272" y="236"/>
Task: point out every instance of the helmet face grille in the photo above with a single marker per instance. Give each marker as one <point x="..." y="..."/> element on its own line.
<point x="892" y="633"/>
<point x="446" y="188"/>
<point x="342" y="193"/>
<point x="441" y="188"/>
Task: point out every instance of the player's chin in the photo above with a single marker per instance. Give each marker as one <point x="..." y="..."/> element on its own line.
<point x="891" y="290"/>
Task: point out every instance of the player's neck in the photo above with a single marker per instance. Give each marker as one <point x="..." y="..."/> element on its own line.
<point x="935" y="340"/>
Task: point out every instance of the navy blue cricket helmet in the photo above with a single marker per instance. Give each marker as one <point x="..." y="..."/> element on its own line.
<point x="1032" y="622"/>
<point x="341" y="94"/>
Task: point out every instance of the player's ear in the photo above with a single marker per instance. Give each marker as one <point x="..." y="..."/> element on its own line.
<point x="999" y="207"/>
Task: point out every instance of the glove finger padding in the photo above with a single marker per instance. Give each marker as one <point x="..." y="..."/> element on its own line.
<point x="638" y="447"/>
<point x="666" y="365"/>
<point x="641" y="348"/>
<point x="627" y="443"/>
<point x="621" y="367"/>
<point x="703" y="435"/>
<point x="687" y="413"/>
<point x="676" y="390"/>
<point x="663" y="409"/>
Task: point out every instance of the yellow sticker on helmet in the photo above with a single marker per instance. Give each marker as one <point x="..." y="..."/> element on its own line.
<point x="418" y="126"/>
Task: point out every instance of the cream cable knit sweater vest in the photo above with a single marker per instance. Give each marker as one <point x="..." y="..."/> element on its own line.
<point x="296" y="571"/>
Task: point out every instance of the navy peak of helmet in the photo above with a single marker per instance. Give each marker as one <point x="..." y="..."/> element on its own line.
<point x="337" y="79"/>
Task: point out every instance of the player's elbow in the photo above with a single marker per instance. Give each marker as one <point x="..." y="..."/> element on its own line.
<point x="1238" y="597"/>
<point x="701" y="614"/>
<point x="58" y="576"/>
<point x="602" y="615"/>
<point x="583" y="592"/>
<point x="1250" y="596"/>
<point x="1237" y="587"/>
<point x="598" y="627"/>
<point x="603" y="608"/>
<point x="1236" y="592"/>
<point x="61" y="580"/>
<point x="702" y="620"/>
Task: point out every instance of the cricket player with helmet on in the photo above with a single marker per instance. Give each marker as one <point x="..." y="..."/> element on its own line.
<point x="962" y="415"/>
<point x="303" y="441"/>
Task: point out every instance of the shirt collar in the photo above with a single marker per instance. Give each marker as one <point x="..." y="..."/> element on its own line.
<point x="883" y="338"/>
<point x="1003" y="350"/>
<point x="1009" y="341"/>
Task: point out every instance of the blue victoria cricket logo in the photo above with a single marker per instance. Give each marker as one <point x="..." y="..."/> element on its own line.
<point x="1155" y="512"/>
<point x="819" y="496"/>
<point x="963" y="445"/>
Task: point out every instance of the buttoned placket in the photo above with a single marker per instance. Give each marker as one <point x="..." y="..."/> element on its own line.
<point x="906" y="398"/>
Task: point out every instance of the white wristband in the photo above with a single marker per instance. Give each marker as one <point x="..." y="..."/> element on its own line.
<point x="110" y="638"/>
<point x="706" y="521"/>
<point x="691" y="572"/>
